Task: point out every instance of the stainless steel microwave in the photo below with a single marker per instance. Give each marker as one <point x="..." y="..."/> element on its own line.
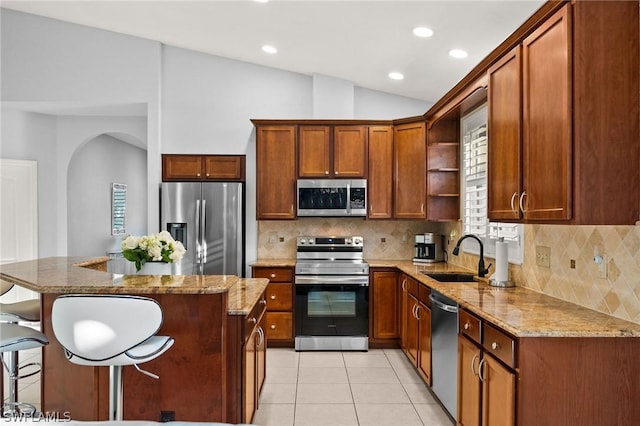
<point x="332" y="197"/>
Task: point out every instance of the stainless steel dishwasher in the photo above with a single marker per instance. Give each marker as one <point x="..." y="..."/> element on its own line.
<point x="444" y="350"/>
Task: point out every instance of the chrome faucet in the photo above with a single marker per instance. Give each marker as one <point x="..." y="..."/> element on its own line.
<point x="481" y="269"/>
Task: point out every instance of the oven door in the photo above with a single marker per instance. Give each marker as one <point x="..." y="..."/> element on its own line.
<point x="332" y="309"/>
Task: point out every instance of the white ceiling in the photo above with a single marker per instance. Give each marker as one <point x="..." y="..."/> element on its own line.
<point x="359" y="41"/>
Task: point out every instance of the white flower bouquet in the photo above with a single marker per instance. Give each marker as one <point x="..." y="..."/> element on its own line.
<point x="160" y="247"/>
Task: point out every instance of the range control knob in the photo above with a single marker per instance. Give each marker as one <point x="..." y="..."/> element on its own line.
<point x="357" y="241"/>
<point x="348" y="241"/>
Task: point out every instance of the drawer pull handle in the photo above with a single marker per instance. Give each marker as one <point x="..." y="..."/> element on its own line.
<point x="253" y="320"/>
<point x="272" y="275"/>
<point x="273" y="297"/>
<point x="473" y="364"/>
<point x="467" y="326"/>
<point x="495" y="345"/>
<point x="481" y="370"/>
<point x="273" y="326"/>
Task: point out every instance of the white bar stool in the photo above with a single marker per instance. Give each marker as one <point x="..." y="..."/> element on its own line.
<point x="109" y="330"/>
<point x="14" y="338"/>
<point x="26" y="310"/>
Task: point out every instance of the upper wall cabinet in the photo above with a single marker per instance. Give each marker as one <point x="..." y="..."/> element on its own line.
<point x="443" y="170"/>
<point x="380" y="180"/>
<point x="564" y="120"/>
<point x="410" y="171"/>
<point x="332" y="151"/>
<point x="179" y="167"/>
<point x="275" y="172"/>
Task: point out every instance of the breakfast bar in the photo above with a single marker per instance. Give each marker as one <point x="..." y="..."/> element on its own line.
<point x="201" y="376"/>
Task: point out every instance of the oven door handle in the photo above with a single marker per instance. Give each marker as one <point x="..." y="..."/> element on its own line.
<point x="332" y="280"/>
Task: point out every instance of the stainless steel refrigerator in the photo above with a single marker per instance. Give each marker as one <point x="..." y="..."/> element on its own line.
<point x="208" y="218"/>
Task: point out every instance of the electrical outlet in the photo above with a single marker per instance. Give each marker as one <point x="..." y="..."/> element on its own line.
<point x="602" y="266"/>
<point x="383" y="240"/>
<point x="281" y="239"/>
<point x="543" y="256"/>
<point x="572" y="264"/>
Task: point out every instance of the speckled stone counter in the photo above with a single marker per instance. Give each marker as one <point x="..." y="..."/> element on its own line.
<point x="274" y="263"/>
<point x="62" y="275"/>
<point x="520" y="311"/>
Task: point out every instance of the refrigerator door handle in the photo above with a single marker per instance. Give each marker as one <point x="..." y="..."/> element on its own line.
<point x="198" y="235"/>
<point x="203" y="231"/>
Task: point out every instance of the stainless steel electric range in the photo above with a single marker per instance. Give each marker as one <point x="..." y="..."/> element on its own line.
<point x="332" y="294"/>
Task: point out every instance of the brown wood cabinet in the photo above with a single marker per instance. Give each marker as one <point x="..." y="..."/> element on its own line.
<point x="276" y="171"/>
<point x="561" y="155"/>
<point x="254" y="365"/>
<point x="380" y="176"/>
<point x="332" y="151"/>
<point x="410" y="171"/>
<point x="416" y="325"/>
<point x="486" y="387"/>
<point x="384" y="315"/>
<point x="179" y="167"/>
<point x="279" y="297"/>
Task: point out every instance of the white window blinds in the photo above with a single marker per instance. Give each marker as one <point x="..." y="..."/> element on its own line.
<point x="474" y="143"/>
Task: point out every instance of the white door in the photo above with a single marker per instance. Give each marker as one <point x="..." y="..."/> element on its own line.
<point x="18" y="217"/>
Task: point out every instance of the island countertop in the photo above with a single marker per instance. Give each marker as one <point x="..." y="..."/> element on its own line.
<point x="63" y="275"/>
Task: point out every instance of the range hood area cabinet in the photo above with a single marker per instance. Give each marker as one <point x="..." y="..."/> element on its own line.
<point x="564" y="120"/>
<point x="332" y="151"/>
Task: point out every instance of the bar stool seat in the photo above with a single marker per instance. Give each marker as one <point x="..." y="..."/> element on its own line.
<point x="110" y="330"/>
<point x="14" y="338"/>
<point x="26" y="310"/>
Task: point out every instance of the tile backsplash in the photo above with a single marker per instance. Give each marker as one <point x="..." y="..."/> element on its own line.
<point x="277" y="239"/>
<point x="618" y="294"/>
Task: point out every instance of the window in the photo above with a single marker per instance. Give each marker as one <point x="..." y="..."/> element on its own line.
<point x="474" y="189"/>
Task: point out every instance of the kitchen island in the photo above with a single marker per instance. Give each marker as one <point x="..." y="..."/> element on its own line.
<point x="201" y="376"/>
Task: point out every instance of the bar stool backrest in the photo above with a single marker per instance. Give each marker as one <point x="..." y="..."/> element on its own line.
<point x="5" y="286"/>
<point x="100" y="327"/>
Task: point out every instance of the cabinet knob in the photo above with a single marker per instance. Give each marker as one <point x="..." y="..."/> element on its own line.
<point x="207" y="175"/>
<point x="326" y="172"/>
<point x="495" y="345"/>
<point x="263" y="302"/>
<point x="272" y="275"/>
<point x="273" y="297"/>
<point x="467" y="326"/>
<point x="273" y="326"/>
<point x="253" y="320"/>
<point x="198" y="174"/>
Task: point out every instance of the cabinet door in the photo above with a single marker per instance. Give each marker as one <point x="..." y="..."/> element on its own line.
<point x="314" y="149"/>
<point x="405" y="312"/>
<point x="424" y="341"/>
<point x="504" y="176"/>
<point x="261" y="357"/>
<point x="412" y="330"/>
<point x="410" y="170"/>
<point x="275" y="172"/>
<point x="385" y="305"/>
<point x="349" y="151"/>
<point x="380" y="178"/>
<point x="224" y="167"/>
<point x="249" y="378"/>
<point x="498" y="394"/>
<point x="181" y="167"/>
<point x="468" y="383"/>
<point x="547" y="120"/>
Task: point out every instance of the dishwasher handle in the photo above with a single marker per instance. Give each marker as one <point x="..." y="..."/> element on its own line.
<point x="443" y="306"/>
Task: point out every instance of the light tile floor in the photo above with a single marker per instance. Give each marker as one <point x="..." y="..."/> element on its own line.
<point x="379" y="387"/>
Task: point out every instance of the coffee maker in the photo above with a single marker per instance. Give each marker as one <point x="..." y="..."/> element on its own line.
<point x="429" y="248"/>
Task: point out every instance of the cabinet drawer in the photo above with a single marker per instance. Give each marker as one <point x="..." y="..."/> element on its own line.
<point x="274" y="274"/>
<point x="470" y="326"/>
<point x="499" y="345"/>
<point x="279" y="325"/>
<point x="279" y="297"/>
<point x="254" y="317"/>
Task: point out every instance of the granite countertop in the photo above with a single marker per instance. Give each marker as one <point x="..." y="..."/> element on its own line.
<point x="72" y="275"/>
<point x="274" y="263"/>
<point x="517" y="310"/>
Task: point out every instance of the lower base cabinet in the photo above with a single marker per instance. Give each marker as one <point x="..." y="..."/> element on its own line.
<point x="416" y="325"/>
<point x="254" y="360"/>
<point x="280" y="303"/>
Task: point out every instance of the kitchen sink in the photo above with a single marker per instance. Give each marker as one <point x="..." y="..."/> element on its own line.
<point x="446" y="277"/>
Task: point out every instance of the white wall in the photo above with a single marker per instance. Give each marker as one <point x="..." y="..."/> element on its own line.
<point x="206" y="101"/>
<point x="92" y="169"/>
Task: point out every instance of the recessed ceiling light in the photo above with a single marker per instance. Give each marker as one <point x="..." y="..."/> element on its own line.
<point x="262" y="1"/>
<point x="458" y="53"/>
<point x="269" y="49"/>
<point x="422" y="32"/>
<point x="396" y="75"/>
